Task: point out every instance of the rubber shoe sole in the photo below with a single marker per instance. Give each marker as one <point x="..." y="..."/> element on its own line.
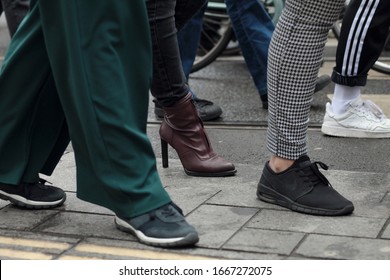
<point x="276" y="198"/>
<point x="188" y="240"/>
<point x="340" y="131"/>
<point x="20" y="201"/>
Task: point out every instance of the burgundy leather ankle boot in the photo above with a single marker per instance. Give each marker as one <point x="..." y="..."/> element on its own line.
<point x="183" y="130"/>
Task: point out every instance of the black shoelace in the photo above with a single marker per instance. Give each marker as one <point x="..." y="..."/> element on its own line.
<point x="314" y="175"/>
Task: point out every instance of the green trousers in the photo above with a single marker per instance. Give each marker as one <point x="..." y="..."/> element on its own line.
<point x="80" y="70"/>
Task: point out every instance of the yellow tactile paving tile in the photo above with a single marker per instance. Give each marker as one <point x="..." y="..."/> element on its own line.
<point x="25" y="248"/>
<point x="34" y="243"/>
<point x="25" y="255"/>
<point x="132" y="253"/>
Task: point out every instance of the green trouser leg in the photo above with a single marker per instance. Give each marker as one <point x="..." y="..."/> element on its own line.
<point x="33" y="131"/>
<point x="99" y="55"/>
<point x="102" y="73"/>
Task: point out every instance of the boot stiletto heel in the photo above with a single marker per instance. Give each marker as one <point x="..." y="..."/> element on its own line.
<point x="164" y="153"/>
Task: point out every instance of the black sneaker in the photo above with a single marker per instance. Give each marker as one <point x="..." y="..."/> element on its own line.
<point x="207" y="110"/>
<point x="322" y="82"/>
<point x="303" y="188"/>
<point x="164" y="227"/>
<point x="264" y="101"/>
<point x="33" y="195"/>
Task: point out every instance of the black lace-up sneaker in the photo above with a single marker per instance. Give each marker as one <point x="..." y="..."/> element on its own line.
<point x="303" y="188"/>
<point x="33" y="195"/>
<point x="163" y="227"/>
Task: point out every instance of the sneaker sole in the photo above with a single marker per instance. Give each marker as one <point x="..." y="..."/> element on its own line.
<point x="31" y="204"/>
<point x="188" y="240"/>
<point x="276" y="198"/>
<point x="352" y="132"/>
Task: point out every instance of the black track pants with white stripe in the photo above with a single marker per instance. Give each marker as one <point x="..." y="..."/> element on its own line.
<point x="363" y="35"/>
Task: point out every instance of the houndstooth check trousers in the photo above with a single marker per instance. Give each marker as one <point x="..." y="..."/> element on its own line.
<point x="294" y="59"/>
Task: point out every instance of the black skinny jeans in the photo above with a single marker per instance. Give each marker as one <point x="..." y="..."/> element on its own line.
<point x="166" y="17"/>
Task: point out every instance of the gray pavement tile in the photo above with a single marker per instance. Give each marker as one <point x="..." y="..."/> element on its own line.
<point x="217" y="224"/>
<point x="119" y="249"/>
<point x="64" y="176"/>
<point x="240" y="190"/>
<point x="296" y="222"/>
<point x="84" y="225"/>
<point x="338" y="247"/>
<point x="75" y="204"/>
<point x="191" y="195"/>
<point x="3" y="203"/>
<point x="237" y="254"/>
<point x="386" y="232"/>
<point x="366" y="190"/>
<point x="21" y="219"/>
<point x="30" y="235"/>
<point x="264" y="241"/>
<point x="189" y="191"/>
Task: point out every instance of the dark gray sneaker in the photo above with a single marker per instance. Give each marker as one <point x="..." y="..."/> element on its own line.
<point x="33" y="195"/>
<point x="303" y="188"/>
<point x="163" y="227"/>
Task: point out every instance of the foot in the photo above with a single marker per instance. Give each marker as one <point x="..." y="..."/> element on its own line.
<point x="33" y="195"/>
<point x="163" y="227"/>
<point x="322" y="82"/>
<point x="363" y="119"/>
<point x="207" y="110"/>
<point x="302" y="188"/>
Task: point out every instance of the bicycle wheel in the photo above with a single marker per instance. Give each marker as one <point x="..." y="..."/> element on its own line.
<point x="274" y="9"/>
<point x="382" y="65"/>
<point x="218" y="32"/>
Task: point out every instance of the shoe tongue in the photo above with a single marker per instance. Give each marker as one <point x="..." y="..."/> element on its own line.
<point x="168" y="213"/>
<point x="301" y="160"/>
<point x="357" y="102"/>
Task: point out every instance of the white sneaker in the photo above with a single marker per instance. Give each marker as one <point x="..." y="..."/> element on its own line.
<point x="364" y="119"/>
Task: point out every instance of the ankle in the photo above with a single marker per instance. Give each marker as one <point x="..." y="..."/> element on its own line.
<point x="278" y="164"/>
<point x="342" y="97"/>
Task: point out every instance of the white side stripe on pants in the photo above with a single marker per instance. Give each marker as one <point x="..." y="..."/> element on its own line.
<point x="357" y="35"/>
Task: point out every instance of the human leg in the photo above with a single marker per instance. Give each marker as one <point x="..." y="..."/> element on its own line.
<point x="291" y="85"/>
<point x="253" y="29"/>
<point x="189" y="39"/>
<point x="363" y="35"/>
<point x="189" y="26"/>
<point x="34" y="133"/>
<point x="104" y="108"/>
<point x="102" y="77"/>
<point x="181" y="126"/>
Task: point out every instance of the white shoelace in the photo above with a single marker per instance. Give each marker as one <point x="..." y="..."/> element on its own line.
<point x="374" y="109"/>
